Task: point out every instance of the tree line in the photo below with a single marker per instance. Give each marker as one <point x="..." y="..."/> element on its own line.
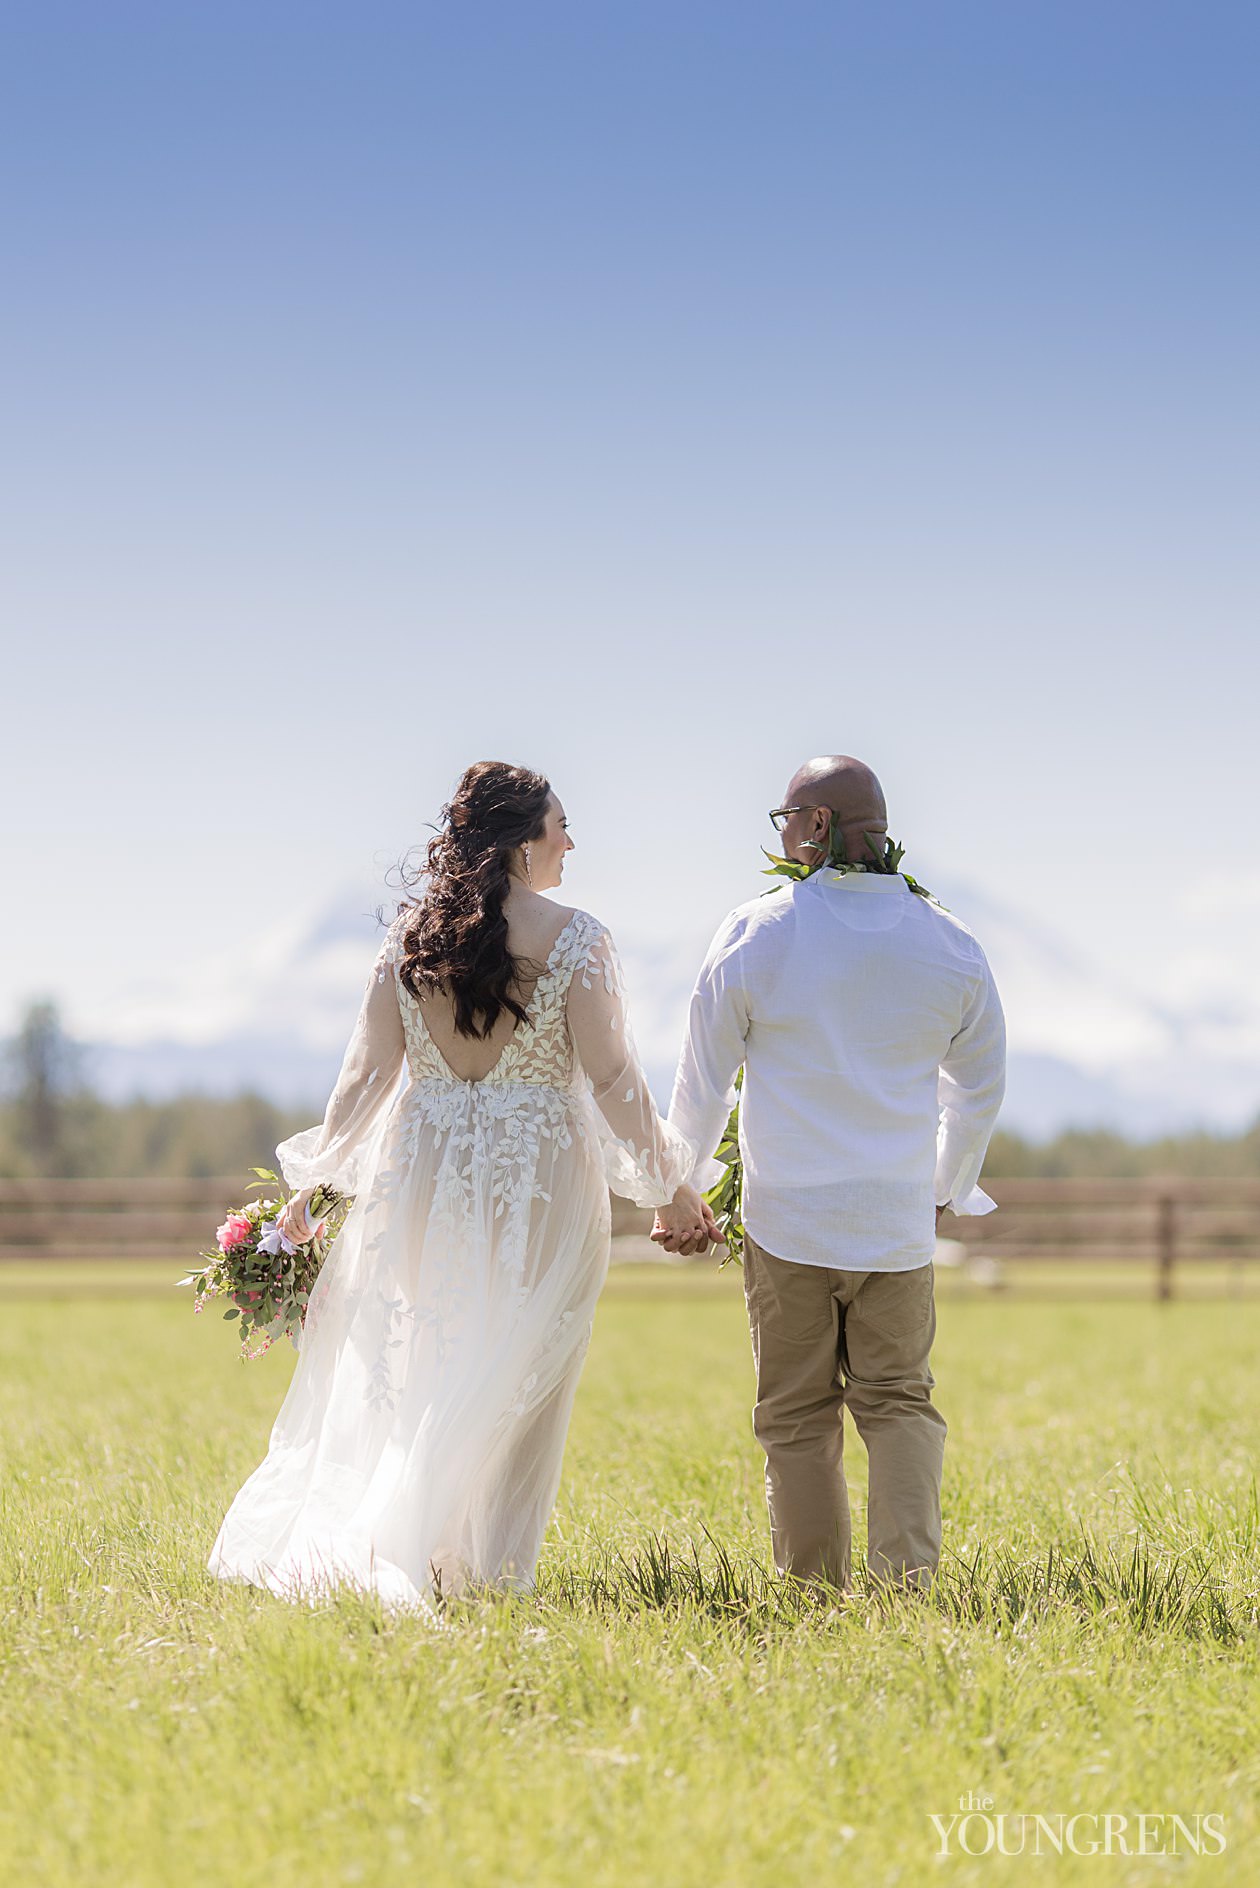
<point x="53" y="1124"/>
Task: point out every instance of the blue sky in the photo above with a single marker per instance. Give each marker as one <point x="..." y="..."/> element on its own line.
<point x="659" y="395"/>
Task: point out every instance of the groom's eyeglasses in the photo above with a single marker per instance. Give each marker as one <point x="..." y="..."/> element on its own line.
<point x="781" y="814"/>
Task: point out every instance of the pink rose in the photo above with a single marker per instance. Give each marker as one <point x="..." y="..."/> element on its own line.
<point x="234" y="1230"/>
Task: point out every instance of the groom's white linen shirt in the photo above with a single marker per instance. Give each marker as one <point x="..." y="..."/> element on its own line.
<point x="873" y="1046"/>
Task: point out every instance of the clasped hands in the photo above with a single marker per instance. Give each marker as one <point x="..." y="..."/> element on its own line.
<point x="687" y="1224"/>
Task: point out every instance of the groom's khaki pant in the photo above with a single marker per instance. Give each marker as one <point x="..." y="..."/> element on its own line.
<point x="824" y="1341"/>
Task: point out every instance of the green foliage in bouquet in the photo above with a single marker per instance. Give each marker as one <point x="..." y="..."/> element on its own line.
<point x="268" y="1278"/>
<point x="726" y="1197"/>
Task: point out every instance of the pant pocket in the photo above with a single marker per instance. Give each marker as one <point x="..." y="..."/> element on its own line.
<point x="897" y="1303"/>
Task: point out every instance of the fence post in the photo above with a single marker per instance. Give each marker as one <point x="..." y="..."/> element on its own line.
<point x="1167" y="1244"/>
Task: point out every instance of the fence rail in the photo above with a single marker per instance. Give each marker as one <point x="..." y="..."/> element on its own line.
<point x="140" y="1219"/>
<point x="113" y="1219"/>
<point x="1166" y="1221"/>
<point x="1163" y="1222"/>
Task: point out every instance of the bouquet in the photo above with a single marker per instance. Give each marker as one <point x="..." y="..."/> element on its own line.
<point x="265" y="1275"/>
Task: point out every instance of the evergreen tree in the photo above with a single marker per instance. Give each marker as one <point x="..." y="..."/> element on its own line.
<point x="43" y="1068"/>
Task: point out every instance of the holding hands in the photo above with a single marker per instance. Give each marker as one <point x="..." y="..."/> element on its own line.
<point x="687" y="1224"/>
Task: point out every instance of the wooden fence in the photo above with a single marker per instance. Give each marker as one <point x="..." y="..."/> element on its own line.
<point x="113" y="1219"/>
<point x="141" y="1219"/>
<point x="1162" y="1223"/>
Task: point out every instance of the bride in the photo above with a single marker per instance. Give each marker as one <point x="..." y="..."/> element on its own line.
<point x="489" y="1096"/>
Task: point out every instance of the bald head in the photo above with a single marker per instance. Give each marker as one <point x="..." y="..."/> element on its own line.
<point x="834" y="783"/>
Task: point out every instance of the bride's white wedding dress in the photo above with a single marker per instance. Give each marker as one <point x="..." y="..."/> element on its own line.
<point x="419" y="1445"/>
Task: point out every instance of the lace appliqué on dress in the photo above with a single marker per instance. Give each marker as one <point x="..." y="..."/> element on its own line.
<point x="488" y="1138"/>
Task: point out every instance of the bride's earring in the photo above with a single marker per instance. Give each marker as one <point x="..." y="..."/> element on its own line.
<point x="529" y="876"/>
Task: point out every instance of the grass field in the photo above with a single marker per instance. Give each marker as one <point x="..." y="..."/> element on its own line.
<point x="662" y="1710"/>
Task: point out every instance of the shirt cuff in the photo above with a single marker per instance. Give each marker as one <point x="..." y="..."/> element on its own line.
<point x="976" y="1202"/>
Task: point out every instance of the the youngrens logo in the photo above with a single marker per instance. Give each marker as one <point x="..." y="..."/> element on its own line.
<point x="974" y="1828"/>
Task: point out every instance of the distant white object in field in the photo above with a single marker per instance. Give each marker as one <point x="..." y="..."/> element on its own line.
<point x="953" y="1255"/>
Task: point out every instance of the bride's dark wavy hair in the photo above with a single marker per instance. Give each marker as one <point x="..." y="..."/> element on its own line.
<point x="457" y="940"/>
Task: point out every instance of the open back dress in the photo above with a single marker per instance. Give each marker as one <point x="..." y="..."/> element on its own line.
<point x="418" y="1448"/>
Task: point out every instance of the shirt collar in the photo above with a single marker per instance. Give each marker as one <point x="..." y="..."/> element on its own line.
<point x="858" y="881"/>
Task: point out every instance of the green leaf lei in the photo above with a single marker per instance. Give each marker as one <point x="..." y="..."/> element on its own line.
<point x="726" y="1196"/>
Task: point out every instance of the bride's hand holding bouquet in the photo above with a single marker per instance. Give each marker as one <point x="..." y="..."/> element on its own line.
<point x="303" y="1214"/>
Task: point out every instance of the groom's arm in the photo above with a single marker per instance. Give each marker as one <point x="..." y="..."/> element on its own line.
<point x="970" y="1087"/>
<point x="713" y="1050"/>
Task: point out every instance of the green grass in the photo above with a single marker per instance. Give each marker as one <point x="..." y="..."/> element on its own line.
<point x="663" y="1710"/>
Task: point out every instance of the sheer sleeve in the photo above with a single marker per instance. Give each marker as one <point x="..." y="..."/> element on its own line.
<point x="338" y="1152"/>
<point x="645" y="1159"/>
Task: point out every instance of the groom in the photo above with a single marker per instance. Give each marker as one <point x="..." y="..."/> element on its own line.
<point x="871" y="1037"/>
